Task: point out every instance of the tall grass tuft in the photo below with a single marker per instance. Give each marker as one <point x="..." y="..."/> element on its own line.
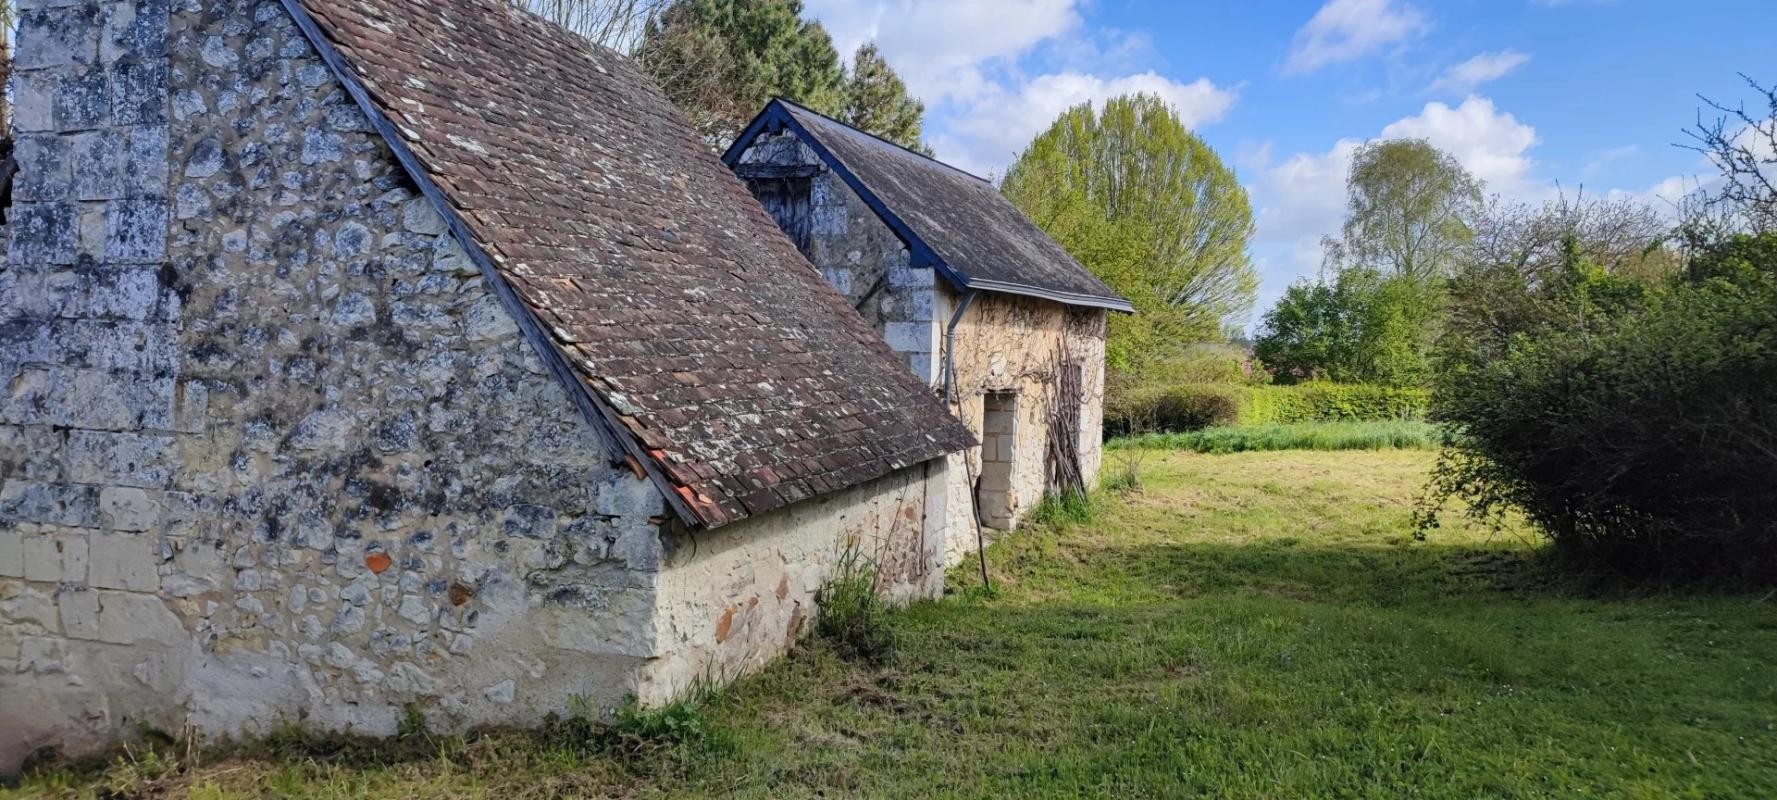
<point x="1057" y="509"/>
<point x="1394" y="435"/>
<point x="853" y="616"/>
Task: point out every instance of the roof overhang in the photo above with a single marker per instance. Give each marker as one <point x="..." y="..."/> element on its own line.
<point x="776" y="118"/>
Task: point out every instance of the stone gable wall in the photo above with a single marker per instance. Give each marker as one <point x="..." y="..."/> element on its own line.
<point x="861" y="257"/>
<point x="269" y="447"/>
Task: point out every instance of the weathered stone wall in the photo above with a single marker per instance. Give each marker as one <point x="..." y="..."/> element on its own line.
<point x="1009" y="343"/>
<point x="1003" y="343"/>
<point x="732" y="599"/>
<point x="270" y="447"/>
<point x="271" y="451"/>
<point x="861" y="257"/>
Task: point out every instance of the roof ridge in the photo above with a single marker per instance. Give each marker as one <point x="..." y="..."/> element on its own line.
<point x="897" y="145"/>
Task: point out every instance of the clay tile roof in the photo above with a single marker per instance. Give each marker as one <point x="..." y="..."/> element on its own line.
<point x="957" y="221"/>
<point x="708" y="345"/>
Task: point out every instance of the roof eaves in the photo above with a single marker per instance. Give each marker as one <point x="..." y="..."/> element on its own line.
<point x="1065" y="298"/>
<point x="776" y="117"/>
<point x="603" y="418"/>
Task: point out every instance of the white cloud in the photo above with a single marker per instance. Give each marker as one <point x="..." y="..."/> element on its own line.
<point x="942" y="48"/>
<point x="1603" y="159"/>
<point x="1464" y="77"/>
<point x="1345" y="30"/>
<point x="1490" y="143"/>
<point x="970" y="62"/>
<point x="1666" y="196"/>
<point x="988" y="135"/>
<point x="1302" y="198"/>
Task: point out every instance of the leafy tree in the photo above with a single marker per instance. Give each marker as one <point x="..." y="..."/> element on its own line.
<point x="1152" y="211"/>
<point x="1410" y="216"/>
<point x="1629" y="416"/>
<point x="877" y="101"/>
<point x="1360" y="327"/>
<point x="720" y="60"/>
<point x="1408" y="207"/>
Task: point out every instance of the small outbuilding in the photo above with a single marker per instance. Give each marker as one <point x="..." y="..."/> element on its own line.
<point x="980" y="303"/>
<point x="372" y="355"/>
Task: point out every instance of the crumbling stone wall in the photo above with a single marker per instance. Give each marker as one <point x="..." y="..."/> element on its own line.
<point x="270" y="447"/>
<point x="860" y="256"/>
<point x="1010" y="343"/>
<point x="738" y="596"/>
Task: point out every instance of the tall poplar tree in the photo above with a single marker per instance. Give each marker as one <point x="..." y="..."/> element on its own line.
<point x="1151" y="210"/>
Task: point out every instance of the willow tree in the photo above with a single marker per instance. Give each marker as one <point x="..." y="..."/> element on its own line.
<point x="1151" y="210"/>
<point x="1409" y="210"/>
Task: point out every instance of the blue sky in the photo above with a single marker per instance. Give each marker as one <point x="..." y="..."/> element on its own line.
<point x="1530" y="95"/>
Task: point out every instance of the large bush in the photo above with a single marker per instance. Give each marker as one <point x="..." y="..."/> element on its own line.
<point x="1633" y="419"/>
<point x="1185" y="407"/>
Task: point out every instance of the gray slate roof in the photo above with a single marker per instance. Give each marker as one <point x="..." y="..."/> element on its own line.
<point x="974" y="234"/>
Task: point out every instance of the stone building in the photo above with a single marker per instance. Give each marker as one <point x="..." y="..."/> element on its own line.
<point x="362" y="355"/>
<point x="978" y="301"/>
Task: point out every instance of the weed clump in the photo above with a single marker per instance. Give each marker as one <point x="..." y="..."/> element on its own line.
<point x="853" y="616"/>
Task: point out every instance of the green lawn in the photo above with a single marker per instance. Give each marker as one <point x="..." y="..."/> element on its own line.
<point x="1350" y="435"/>
<point x="1259" y="625"/>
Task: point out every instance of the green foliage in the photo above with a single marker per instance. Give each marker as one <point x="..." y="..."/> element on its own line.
<point x="1152" y="211"/>
<point x="721" y="60"/>
<point x="1064" y="508"/>
<point x="1361" y="327"/>
<point x="640" y="730"/>
<point x="1189" y="407"/>
<point x="877" y="101"/>
<point x="1331" y="402"/>
<point x="1396" y="435"/>
<point x="1377" y="317"/>
<point x="1631" y="420"/>
<point x="1408" y="210"/>
<point x="853" y="616"/>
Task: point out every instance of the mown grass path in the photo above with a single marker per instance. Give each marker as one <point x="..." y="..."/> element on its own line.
<point x="1259" y="625"/>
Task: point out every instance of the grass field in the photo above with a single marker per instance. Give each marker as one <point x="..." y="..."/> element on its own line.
<point x="1373" y="435"/>
<point x="1259" y="625"/>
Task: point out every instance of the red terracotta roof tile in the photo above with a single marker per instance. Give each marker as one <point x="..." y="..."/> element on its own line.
<point x="681" y="305"/>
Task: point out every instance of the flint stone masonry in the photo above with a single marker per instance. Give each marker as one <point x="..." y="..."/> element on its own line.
<point x="273" y="451"/>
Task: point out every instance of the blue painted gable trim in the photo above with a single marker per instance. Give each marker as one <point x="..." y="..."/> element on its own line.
<point x="777" y="118"/>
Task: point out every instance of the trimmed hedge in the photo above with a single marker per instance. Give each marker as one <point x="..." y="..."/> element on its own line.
<point x="1331" y="402"/>
<point x="1195" y="406"/>
<point x="1393" y="434"/>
